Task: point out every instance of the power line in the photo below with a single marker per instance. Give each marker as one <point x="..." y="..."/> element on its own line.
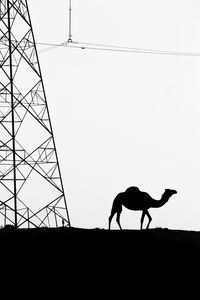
<point x="113" y="48"/>
<point x="144" y="50"/>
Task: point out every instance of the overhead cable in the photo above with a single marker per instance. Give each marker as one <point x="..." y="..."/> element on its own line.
<point x="112" y="48"/>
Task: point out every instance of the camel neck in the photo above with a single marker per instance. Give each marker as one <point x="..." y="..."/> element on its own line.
<point x="161" y="202"/>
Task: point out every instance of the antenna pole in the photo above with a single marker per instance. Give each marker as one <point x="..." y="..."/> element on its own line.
<point x="70" y="22"/>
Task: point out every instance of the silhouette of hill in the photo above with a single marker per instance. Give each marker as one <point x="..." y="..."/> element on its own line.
<point x="108" y="261"/>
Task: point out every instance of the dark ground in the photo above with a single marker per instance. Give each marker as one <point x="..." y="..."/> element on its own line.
<point x="98" y="263"/>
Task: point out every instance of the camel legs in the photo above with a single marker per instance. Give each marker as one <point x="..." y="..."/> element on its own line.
<point x="118" y="219"/>
<point x="142" y="219"/>
<point x="110" y="219"/>
<point x="150" y="218"/>
<point x="145" y="212"/>
<point x="116" y="209"/>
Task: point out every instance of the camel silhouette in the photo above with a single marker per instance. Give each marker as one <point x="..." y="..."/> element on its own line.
<point x="134" y="199"/>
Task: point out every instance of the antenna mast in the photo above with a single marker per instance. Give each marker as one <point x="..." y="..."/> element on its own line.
<point x="70" y="22"/>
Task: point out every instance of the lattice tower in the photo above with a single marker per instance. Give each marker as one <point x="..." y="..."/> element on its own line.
<point x="31" y="187"/>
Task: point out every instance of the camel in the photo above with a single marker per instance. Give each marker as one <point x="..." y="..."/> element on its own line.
<point x="134" y="199"/>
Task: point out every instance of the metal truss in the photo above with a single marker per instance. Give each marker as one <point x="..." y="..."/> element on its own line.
<point x="31" y="188"/>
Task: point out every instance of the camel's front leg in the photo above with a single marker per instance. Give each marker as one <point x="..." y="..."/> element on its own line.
<point x="150" y="218"/>
<point x="142" y="219"/>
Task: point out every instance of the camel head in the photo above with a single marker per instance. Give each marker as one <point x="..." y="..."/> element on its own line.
<point x="166" y="195"/>
<point x="169" y="192"/>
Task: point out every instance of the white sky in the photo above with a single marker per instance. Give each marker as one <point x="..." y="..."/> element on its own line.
<point x="123" y="119"/>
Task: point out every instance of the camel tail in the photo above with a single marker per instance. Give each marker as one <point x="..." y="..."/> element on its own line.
<point x="116" y="208"/>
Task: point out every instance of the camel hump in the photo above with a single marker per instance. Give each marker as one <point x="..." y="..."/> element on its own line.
<point x="132" y="190"/>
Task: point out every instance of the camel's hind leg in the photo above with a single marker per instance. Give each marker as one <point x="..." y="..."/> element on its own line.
<point x="110" y="218"/>
<point x="116" y="209"/>
<point x="118" y="218"/>
<point x="113" y="212"/>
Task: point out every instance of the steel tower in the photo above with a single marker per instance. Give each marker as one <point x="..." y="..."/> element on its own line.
<point x="31" y="187"/>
